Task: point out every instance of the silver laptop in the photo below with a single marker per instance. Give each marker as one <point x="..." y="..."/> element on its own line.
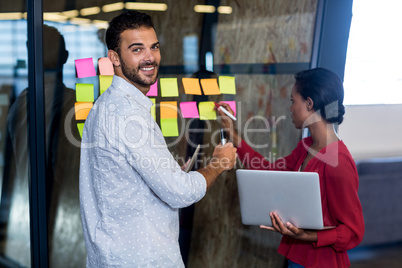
<point x="295" y="196"/>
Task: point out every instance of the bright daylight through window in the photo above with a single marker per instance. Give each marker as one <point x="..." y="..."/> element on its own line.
<point x="373" y="72"/>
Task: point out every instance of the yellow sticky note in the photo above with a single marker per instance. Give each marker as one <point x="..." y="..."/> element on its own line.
<point x="227" y="85"/>
<point x="169" y="127"/>
<point x="206" y="110"/>
<point x="84" y="92"/>
<point x="210" y="86"/>
<point x="169" y="87"/>
<point x="192" y="86"/>
<point x="153" y="108"/>
<point x="168" y="109"/>
<point x="104" y="82"/>
<point x="82" y="110"/>
<point x="80" y="127"/>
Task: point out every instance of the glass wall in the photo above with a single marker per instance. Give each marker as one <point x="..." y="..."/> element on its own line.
<point x="259" y="43"/>
<point x="14" y="154"/>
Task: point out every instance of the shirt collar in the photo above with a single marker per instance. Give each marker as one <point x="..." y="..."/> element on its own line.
<point x="130" y="91"/>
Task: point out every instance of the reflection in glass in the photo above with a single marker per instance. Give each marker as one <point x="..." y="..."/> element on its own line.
<point x="14" y="206"/>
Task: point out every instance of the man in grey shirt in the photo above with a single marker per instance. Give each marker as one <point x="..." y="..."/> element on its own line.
<point x="130" y="185"/>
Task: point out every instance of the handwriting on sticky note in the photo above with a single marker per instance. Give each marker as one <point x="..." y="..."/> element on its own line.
<point x="210" y="86"/>
<point x="153" y="91"/>
<point x="85" y="68"/>
<point x="169" y="127"/>
<point x="104" y="82"/>
<point x="227" y="85"/>
<point x="191" y="86"/>
<point x="168" y="109"/>
<point x="169" y="87"/>
<point x="189" y="109"/>
<point x="84" y="92"/>
<point x="105" y="66"/>
<point x="206" y="110"/>
<point x="82" y="110"/>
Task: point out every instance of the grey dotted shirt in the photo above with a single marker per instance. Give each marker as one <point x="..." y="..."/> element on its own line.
<point x="130" y="185"/>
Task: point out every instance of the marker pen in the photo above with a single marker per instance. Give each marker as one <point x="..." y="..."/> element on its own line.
<point x="223" y="139"/>
<point x="225" y="111"/>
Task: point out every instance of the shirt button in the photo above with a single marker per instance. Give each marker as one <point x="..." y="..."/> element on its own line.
<point x="128" y="96"/>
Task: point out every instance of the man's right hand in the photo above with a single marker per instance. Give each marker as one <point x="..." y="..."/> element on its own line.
<point x="223" y="158"/>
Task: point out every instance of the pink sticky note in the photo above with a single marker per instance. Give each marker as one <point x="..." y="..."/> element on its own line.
<point x="85" y="68"/>
<point x="232" y="105"/>
<point x="153" y="91"/>
<point x="105" y="66"/>
<point x="189" y="109"/>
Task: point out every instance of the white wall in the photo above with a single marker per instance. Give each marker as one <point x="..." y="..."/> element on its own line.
<point x="372" y="130"/>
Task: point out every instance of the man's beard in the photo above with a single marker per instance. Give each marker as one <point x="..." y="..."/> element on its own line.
<point x="134" y="77"/>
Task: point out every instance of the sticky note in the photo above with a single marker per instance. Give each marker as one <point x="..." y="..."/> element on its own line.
<point x="227" y="85"/>
<point x="85" y="68"/>
<point x="153" y="91"/>
<point x="210" y="86"/>
<point x="82" y="110"/>
<point x="192" y="86"/>
<point x="84" y="92"/>
<point x="232" y="105"/>
<point x="80" y="127"/>
<point x="169" y="127"/>
<point x="207" y="111"/>
<point x="169" y="87"/>
<point x="104" y="82"/>
<point x="105" y="66"/>
<point x="168" y="109"/>
<point x="153" y="108"/>
<point x="189" y="109"/>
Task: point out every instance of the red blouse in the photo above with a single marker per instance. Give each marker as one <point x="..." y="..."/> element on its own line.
<point x="341" y="206"/>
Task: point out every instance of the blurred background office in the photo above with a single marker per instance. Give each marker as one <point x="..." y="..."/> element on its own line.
<point x="260" y="43"/>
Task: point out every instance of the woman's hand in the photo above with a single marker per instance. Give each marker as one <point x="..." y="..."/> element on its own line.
<point x="289" y="229"/>
<point x="228" y="124"/>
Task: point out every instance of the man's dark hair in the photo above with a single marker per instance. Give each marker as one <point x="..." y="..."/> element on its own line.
<point x="128" y="20"/>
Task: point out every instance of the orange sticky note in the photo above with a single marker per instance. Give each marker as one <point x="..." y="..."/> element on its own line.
<point x="82" y="110"/>
<point x="168" y="109"/>
<point x="192" y="86"/>
<point x="105" y="66"/>
<point x="210" y="86"/>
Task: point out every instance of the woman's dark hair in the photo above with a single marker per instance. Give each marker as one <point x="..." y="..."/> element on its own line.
<point x="131" y="19"/>
<point x="325" y="89"/>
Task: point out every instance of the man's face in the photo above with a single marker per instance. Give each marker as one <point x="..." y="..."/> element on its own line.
<point x="140" y="57"/>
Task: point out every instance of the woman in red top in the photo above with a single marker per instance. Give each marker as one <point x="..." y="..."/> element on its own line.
<point x="317" y="103"/>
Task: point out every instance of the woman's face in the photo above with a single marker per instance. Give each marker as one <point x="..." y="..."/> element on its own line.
<point x="299" y="109"/>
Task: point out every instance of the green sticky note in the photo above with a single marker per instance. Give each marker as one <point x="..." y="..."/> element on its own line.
<point x="206" y="110"/>
<point x="104" y="82"/>
<point x="84" y="92"/>
<point x="169" y="127"/>
<point x="169" y="87"/>
<point x="227" y="85"/>
<point x="153" y="108"/>
<point x="80" y="128"/>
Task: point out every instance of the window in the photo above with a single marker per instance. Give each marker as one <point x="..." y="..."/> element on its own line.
<point x="373" y="64"/>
